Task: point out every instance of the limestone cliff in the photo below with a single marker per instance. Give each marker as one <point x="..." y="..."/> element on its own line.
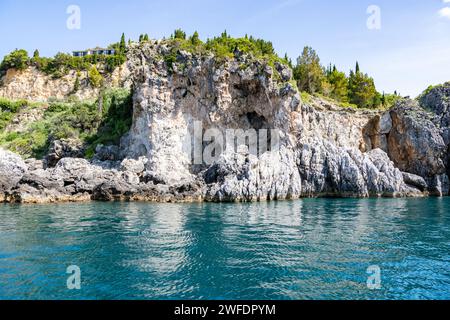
<point x="321" y="149"/>
<point x="34" y="85"/>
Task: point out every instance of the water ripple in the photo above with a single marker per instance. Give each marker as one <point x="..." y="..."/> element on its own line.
<point x="307" y="249"/>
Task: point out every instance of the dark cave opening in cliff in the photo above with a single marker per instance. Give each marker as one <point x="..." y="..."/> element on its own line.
<point x="256" y="121"/>
<point x="263" y="130"/>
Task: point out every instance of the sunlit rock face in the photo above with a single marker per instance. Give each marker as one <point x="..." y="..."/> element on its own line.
<point x="199" y="91"/>
<point x="34" y="85"/>
<point x="12" y="169"/>
<point x="314" y="148"/>
<point x="321" y="149"/>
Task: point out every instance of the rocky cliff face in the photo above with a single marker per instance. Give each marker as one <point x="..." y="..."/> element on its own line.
<point x="437" y="101"/>
<point x="415" y="137"/>
<point x="33" y="85"/>
<point x="319" y="149"/>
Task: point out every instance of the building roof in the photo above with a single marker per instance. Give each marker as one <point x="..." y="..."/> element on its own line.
<point x="95" y="49"/>
<point x="98" y="49"/>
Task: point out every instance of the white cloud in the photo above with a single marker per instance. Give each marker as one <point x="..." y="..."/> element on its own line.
<point x="445" y="12"/>
<point x="446" y="1"/>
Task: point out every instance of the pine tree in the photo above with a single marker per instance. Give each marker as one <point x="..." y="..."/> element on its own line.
<point x="195" y="39"/>
<point x="95" y="78"/>
<point x="362" y="91"/>
<point x="179" y="34"/>
<point x="308" y="72"/>
<point x="288" y="60"/>
<point x="339" y="85"/>
<point x="36" y="60"/>
<point x="146" y="38"/>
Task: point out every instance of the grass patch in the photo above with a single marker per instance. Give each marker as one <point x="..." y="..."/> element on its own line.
<point x="306" y="97"/>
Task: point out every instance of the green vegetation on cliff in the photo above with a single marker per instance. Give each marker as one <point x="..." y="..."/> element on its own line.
<point x="62" y="63"/>
<point x="223" y="47"/>
<point x="357" y="89"/>
<point x="18" y="59"/>
<point x="8" y="109"/>
<point x="103" y="121"/>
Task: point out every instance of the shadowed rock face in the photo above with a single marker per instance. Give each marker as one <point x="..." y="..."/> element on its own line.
<point x="415" y="139"/>
<point x="416" y="146"/>
<point x="324" y="150"/>
<point x="437" y="101"/>
<point x="415" y="143"/>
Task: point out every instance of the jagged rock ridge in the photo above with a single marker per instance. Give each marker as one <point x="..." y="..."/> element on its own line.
<point x="324" y="150"/>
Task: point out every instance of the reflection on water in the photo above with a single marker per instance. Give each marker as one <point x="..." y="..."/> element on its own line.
<point x="307" y="249"/>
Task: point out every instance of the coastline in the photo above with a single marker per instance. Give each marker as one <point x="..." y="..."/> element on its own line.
<point x="172" y="143"/>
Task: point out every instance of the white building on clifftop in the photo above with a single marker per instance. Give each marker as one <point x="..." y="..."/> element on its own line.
<point x="97" y="50"/>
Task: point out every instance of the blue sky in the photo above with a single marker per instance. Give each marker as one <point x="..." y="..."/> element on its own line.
<point x="408" y="53"/>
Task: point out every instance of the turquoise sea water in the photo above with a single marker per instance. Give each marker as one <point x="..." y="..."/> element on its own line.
<point x="307" y="249"/>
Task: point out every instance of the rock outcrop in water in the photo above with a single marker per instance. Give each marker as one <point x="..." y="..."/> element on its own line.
<point x="321" y="149"/>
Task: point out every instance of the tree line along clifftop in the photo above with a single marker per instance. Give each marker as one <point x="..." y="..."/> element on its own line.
<point x="357" y="89"/>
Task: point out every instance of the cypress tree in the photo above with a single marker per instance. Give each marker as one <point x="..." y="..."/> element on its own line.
<point x="76" y="85"/>
<point x="122" y="45"/>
